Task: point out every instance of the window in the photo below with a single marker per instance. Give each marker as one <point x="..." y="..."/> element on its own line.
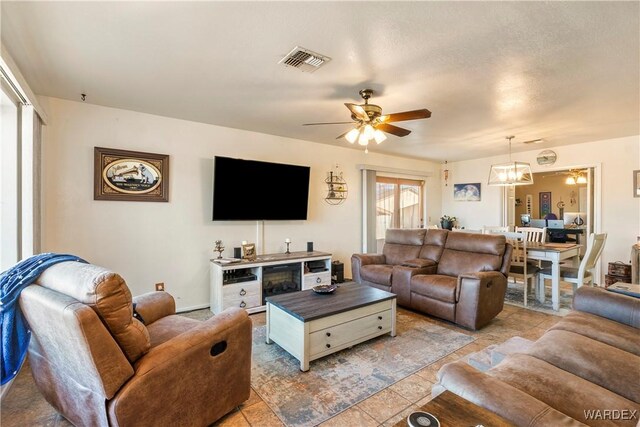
<point x="10" y="226"/>
<point x="398" y="205"/>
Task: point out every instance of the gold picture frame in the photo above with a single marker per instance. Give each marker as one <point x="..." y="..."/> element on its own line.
<point x="130" y="175"/>
<point x="636" y="183"/>
<point x="249" y="251"/>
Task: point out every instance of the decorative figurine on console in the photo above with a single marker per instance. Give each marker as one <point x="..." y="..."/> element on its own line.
<point x="219" y="248"/>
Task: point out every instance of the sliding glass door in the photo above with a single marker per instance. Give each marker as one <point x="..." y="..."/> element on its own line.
<point x="9" y="178"/>
<point x="399" y="204"/>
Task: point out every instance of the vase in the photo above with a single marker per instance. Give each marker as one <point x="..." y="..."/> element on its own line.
<point x="446" y="225"/>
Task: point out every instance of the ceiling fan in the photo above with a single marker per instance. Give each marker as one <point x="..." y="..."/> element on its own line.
<point x="370" y="123"/>
<point x="574" y="176"/>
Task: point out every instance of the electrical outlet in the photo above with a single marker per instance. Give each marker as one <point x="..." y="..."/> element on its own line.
<point x="160" y="286"/>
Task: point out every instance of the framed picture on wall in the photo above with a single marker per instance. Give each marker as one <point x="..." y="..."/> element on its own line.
<point x="467" y="192"/>
<point x="130" y="175"/>
<point x="636" y="183"/>
<point x="545" y="203"/>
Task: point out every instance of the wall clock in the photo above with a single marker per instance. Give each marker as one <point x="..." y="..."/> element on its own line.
<point x="547" y="157"/>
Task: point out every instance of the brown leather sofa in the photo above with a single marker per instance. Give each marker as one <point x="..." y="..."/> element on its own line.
<point x="585" y="369"/>
<point x="460" y="277"/>
<point x="98" y="365"/>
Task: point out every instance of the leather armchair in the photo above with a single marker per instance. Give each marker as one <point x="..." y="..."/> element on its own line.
<point x="98" y="365"/>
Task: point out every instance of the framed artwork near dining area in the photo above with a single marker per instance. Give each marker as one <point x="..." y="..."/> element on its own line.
<point x="545" y="203"/>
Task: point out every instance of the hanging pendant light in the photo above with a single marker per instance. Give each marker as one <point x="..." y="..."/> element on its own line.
<point x="511" y="173"/>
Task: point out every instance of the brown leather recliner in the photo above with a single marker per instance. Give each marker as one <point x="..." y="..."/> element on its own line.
<point x="99" y="366"/>
<point x="469" y="282"/>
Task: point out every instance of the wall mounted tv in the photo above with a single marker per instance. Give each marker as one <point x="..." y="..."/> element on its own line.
<point x="252" y="190"/>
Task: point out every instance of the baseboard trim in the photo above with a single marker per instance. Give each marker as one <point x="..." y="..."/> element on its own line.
<point x="193" y="307"/>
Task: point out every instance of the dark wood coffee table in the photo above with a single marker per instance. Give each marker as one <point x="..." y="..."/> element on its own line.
<point x="452" y="410"/>
<point x="310" y="325"/>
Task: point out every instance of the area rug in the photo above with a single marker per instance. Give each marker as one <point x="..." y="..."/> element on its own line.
<point x="515" y="296"/>
<point x="338" y="381"/>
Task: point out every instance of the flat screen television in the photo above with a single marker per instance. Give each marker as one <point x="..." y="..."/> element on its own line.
<point x="249" y="190"/>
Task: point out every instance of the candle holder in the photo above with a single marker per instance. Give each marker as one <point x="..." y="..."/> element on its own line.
<point x="287" y="243"/>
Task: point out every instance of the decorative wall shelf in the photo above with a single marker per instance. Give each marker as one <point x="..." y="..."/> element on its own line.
<point x="337" y="189"/>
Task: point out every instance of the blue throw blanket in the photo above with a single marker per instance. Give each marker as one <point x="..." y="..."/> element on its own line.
<point x="15" y="330"/>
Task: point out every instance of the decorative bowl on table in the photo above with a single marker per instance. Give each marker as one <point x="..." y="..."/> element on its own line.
<point x="324" y="289"/>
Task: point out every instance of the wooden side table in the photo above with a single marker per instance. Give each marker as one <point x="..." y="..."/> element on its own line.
<point x="452" y="410"/>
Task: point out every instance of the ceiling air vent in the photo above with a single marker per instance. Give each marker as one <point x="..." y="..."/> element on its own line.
<point x="304" y="60"/>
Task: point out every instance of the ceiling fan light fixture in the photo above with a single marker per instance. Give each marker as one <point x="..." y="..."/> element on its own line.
<point x="581" y="179"/>
<point x="367" y="118"/>
<point x="352" y="135"/>
<point x="379" y="136"/>
<point x="368" y="132"/>
<point x="570" y="181"/>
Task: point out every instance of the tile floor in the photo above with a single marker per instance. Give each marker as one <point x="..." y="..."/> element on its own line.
<point x="24" y="405"/>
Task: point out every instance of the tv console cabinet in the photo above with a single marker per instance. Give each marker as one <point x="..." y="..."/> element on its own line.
<point x="246" y="284"/>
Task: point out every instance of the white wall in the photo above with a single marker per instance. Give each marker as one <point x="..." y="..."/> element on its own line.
<point x="172" y="242"/>
<point x="618" y="158"/>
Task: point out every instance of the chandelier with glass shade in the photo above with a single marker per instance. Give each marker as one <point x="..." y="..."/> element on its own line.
<point x="510" y="173"/>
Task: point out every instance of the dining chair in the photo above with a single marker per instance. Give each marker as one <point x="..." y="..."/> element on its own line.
<point x="519" y="267"/>
<point x="582" y="274"/>
<point x="534" y="234"/>
<point x="491" y="229"/>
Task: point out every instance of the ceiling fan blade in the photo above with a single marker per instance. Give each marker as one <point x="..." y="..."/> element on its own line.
<point x="343" y="135"/>
<point x="327" y="123"/>
<point x="405" y="115"/>
<point x="357" y="111"/>
<point x="394" y="130"/>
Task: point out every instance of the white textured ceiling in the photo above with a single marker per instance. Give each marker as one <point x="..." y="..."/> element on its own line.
<point x="567" y="72"/>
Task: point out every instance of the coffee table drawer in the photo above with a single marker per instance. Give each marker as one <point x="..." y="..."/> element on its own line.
<point x="326" y="340"/>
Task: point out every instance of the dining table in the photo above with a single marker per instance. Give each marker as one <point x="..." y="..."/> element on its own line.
<point x="555" y="253"/>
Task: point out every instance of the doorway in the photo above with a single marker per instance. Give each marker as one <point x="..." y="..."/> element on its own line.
<point x="565" y="196"/>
